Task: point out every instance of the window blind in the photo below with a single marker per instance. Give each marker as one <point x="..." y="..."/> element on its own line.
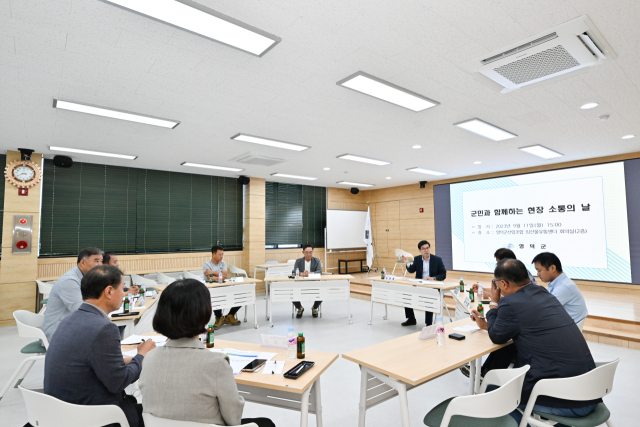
<point x="129" y="210"/>
<point x="294" y="214"/>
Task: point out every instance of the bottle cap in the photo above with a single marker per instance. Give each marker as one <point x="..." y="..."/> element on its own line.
<point x="130" y="294"/>
<point x="460" y="277"/>
<point x="438" y="318"/>
<point x="299" y="334"/>
<point x="290" y="329"/>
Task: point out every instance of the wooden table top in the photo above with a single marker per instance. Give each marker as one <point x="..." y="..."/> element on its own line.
<point x="148" y="302"/>
<point x="404" y="281"/>
<point x="323" y="278"/>
<point x="322" y="361"/>
<point x="414" y="362"/>
<point x="219" y="285"/>
<point x="274" y="265"/>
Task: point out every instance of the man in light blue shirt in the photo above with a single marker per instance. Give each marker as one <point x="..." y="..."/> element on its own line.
<point x="549" y="270"/>
<point x="65" y="296"/>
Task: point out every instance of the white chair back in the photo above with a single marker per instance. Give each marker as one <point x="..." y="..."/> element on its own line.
<point x="139" y="280"/>
<point x="30" y="325"/>
<point x="47" y="411"/>
<point x="581" y="324"/>
<point x="593" y="385"/>
<point x="163" y="279"/>
<point x="127" y="281"/>
<point x="152" y="421"/>
<point x="45" y="288"/>
<point x="272" y="262"/>
<point x="291" y="261"/>
<point x="494" y="404"/>
<point x="192" y="275"/>
<point x="400" y="252"/>
<point x="237" y="271"/>
<point x="136" y="279"/>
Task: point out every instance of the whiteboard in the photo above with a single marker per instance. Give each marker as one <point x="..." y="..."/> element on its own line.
<point x="345" y="229"/>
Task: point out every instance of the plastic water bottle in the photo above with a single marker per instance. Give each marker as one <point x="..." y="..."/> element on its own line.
<point x="297" y="273"/>
<point x="480" y="293"/>
<point x="440" y="331"/>
<point x="291" y="344"/>
<point x="220" y="278"/>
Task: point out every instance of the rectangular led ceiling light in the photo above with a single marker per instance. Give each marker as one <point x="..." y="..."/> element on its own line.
<point x="540" y="151"/>
<point x="485" y="129"/>
<point x="92" y="153"/>
<point x="270" y="142"/>
<point x="427" y="171"/>
<point x="222" y="168"/>
<point x="284" y="175"/>
<point x="363" y="159"/>
<point x="114" y="114"/>
<point x="356" y="184"/>
<point x="378" y="88"/>
<point x="201" y="20"/>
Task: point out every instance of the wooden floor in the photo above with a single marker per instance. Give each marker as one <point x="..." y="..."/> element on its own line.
<point x="614" y="317"/>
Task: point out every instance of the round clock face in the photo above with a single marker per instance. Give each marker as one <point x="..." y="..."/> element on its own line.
<point x="23" y="173"/>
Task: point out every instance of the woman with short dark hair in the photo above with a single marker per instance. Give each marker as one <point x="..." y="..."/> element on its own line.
<point x="183" y="380"/>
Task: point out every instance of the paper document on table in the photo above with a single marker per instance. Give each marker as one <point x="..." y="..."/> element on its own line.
<point x="415" y="280"/>
<point x="314" y="276"/>
<point x="467" y="328"/>
<point x="239" y="362"/>
<point x="137" y="339"/>
<point x="272" y="368"/>
<point x="266" y="356"/>
<point x="132" y="353"/>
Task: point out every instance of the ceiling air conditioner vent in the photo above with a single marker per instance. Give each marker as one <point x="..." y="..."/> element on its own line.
<point x="562" y="51"/>
<point x="258" y="159"/>
<point x="520" y="48"/>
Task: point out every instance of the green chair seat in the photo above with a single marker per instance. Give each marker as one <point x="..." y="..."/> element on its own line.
<point x="33" y="348"/>
<point x="399" y="261"/>
<point x="434" y="418"/>
<point x="599" y="416"/>
<point x="44" y="301"/>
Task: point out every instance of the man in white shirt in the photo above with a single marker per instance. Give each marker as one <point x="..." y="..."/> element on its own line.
<point x="212" y="270"/>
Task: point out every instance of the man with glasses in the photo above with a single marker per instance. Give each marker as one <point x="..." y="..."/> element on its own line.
<point x="426" y="267"/>
<point x="305" y="265"/>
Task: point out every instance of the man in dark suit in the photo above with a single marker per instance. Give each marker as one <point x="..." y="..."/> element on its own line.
<point x="543" y="333"/>
<point x="305" y="265"/>
<point x="426" y="267"/>
<point x="84" y="363"/>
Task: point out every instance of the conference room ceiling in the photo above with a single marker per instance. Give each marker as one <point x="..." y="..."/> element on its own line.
<point x="92" y="52"/>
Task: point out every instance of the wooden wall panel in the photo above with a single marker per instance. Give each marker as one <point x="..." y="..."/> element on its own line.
<point x="53" y="268"/>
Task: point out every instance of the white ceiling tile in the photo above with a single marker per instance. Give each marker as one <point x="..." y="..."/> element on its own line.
<point x="540" y="15"/>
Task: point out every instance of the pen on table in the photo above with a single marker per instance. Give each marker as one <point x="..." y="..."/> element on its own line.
<point x="299" y="369"/>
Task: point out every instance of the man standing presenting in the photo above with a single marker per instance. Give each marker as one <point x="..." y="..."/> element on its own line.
<point x="426" y="267"/>
<point x="305" y="265"/>
<point x="65" y="296"/>
<point x="214" y="269"/>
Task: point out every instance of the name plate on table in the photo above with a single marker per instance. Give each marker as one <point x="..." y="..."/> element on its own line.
<point x="314" y="276"/>
<point x="237" y="279"/>
<point x="456" y="291"/>
<point x="428" y="332"/>
<point x="467" y="303"/>
<point x="274" y="341"/>
<point x="390" y="277"/>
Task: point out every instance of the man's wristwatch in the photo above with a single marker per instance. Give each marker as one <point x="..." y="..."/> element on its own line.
<point x="493" y="304"/>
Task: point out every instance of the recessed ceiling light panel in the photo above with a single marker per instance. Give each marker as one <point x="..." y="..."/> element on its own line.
<point x="270" y="142"/>
<point x="201" y="20"/>
<point x="589" y="105"/>
<point x="378" y="88"/>
<point x="284" y="175"/>
<point x="477" y="163"/>
<point x="485" y="129"/>
<point x="540" y="151"/>
<point x="114" y="114"/>
<point x="92" y="153"/>
<point x="416" y="147"/>
<point x="628" y="136"/>
<point x="427" y="171"/>
<point x="326" y="169"/>
<point x="357" y="184"/>
<point x="363" y="159"/>
<point x="199" y="165"/>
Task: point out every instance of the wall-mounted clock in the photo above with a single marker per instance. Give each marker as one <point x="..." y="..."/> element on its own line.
<point x="23" y="173"/>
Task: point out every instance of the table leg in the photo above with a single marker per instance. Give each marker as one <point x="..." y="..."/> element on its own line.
<point x="304" y="408"/>
<point x="255" y="315"/>
<point x="349" y="307"/>
<point x="363" y="397"/>
<point x="478" y="362"/>
<point x="371" y="316"/>
<point x="472" y="376"/>
<point x="386" y="314"/>
<point x="266" y="300"/>
<point x="270" y="319"/>
<point x="442" y="304"/>
<point x="404" y="403"/>
<point x="318" y="397"/>
<point x="245" y="314"/>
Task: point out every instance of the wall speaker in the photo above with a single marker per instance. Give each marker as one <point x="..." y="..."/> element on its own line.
<point x="355" y="190"/>
<point x="243" y="180"/>
<point x="62" y="161"/>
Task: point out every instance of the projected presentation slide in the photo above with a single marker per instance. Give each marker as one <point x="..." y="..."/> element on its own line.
<point x="579" y="214"/>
